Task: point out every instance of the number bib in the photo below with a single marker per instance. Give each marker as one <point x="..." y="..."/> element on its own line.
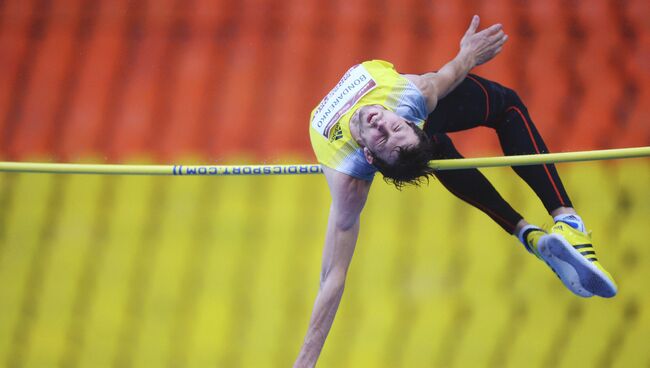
<point x="355" y="84"/>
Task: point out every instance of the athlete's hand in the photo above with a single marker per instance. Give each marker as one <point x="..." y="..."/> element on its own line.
<point x="484" y="45"/>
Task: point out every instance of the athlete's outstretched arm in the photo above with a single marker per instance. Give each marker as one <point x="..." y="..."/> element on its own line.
<point x="475" y="49"/>
<point x="348" y="198"/>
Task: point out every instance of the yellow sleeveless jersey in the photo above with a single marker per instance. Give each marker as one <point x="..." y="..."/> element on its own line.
<point x="370" y="83"/>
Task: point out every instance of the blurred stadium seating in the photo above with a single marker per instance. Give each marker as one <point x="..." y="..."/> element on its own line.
<point x="193" y="272"/>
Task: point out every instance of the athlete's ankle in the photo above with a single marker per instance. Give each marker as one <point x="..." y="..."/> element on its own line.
<point x="520" y="225"/>
<point x="523" y="236"/>
<point x="562" y="210"/>
<point x="572" y="220"/>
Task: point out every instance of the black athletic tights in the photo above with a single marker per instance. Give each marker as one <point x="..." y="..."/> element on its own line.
<point x="480" y="102"/>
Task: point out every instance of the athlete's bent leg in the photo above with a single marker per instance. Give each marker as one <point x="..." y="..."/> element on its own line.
<point x="567" y="249"/>
<point x="480" y="102"/>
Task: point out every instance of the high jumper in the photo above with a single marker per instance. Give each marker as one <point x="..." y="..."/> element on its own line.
<point x="376" y="119"/>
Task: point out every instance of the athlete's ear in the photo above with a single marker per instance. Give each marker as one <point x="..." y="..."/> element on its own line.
<point x="368" y="155"/>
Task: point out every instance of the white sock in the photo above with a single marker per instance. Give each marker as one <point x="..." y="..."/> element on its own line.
<point x="572" y="220"/>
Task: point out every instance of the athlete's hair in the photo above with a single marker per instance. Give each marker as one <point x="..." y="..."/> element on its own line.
<point x="412" y="164"/>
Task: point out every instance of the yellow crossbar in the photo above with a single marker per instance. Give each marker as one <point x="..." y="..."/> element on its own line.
<point x="547" y="158"/>
<point x="295" y="169"/>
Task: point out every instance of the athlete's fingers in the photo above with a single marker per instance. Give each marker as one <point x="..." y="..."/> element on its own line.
<point x="492" y="29"/>
<point x="501" y="40"/>
<point x="473" y="25"/>
<point x="496" y="37"/>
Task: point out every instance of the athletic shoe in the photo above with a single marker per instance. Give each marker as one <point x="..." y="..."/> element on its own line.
<point x="572" y="257"/>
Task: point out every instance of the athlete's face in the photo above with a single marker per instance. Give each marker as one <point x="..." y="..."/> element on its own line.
<point x="382" y="132"/>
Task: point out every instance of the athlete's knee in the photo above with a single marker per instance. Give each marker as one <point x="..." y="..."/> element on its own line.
<point x="502" y="101"/>
<point x="511" y="98"/>
<point x="499" y="97"/>
<point x="510" y="106"/>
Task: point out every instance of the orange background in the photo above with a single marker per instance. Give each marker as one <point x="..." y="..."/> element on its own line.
<point x="165" y="79"/>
